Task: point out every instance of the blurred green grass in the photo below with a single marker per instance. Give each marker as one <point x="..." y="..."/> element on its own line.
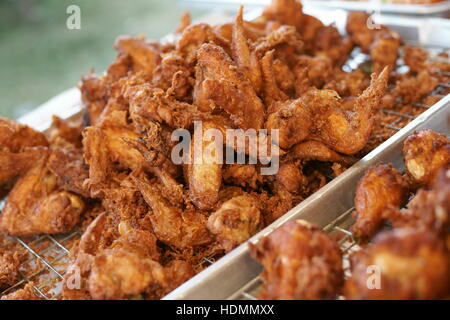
<point x="40" y="57"/>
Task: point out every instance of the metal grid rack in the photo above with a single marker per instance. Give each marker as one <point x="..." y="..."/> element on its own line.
<point x="53" y="257"/>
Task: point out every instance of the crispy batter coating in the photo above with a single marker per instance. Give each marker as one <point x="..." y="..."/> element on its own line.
<point x="235" y="221"/>
<point x="144" y="55"/>
<point x="26" y="293"/>
<point x="67" y="163"/>
<point x="411" y="88"/>
<point x="411" y="264"/>
<point x="381" y="187"/>
<point x="36" y="205"/>
<point x="315" y="150"/>
<point x="9" y="268"/>
<point x="204" y="172"/>
<point x="428" y="209"/>
<point x="16" y="164"/>
<point x="300" y="262"/>
<point x="15" y="136"/>
<point x="126" y="268"/>
<point x="172" y="225"/>
<point x="220" y="84"/>
<point x="318" y="115"/>
<point x="425" y="152"/>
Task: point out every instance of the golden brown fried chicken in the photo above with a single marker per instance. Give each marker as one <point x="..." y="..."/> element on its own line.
<point x="144" y="55"/>
<point x="9" y="268"/>
<point x="194" y="36"/>
<point x="348" y="83"/>
<point x="300" y="262"/>
<point x="291" y="177"/>
<point x="26" y="293"/>
<point x="94" y="94"/>
<point x="410" y="264"/>
<point x="381" y="187"/>
<point x="204" y="171"/>
<point x="126" y="268"/>
<point x="15" y="136"/>
<point x="318" y="70"/>
<point x="67" y="163"/>
<point x="284" y="36"/>
<point x="271" y="92"/>
<point x="319" y="115"/>
<point x="428" y="209"/>
<point x="357" y="28"/>
<point x="235" y="221"/>
<point x="425" y="153"/>
<point x="174" y="76"/>
<point x="63" y="129"/>
<point x="415" y="58"/>
<point x="14" y="164"/>
<point x="241" y="175"/>
<point x="331" y="44"/>
<point x="412" y="88"/>
<point x="378" y="40"/>
<point x="384" y="50"/>
<point x="315" y="150"/>
<point x="220" y="84"/>
<point x="246" y="59"/>
<point x="288" y="12"/>
<point x="171" y="224"/>
<point x="36" y="205"/>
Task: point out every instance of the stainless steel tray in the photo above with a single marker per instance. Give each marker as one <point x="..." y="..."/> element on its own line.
<point x="232" y="272"/>
<point x="226" y="278"/>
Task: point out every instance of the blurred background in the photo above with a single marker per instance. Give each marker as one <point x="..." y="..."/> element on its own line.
<point x="40" y="57"/>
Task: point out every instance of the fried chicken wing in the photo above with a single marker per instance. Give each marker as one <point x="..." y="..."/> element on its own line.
<point x="411" y="88"/>
<point x="409" y="263"/>
<point x="381" y="187"/>
<point x="125" y="269"/>
<point x="144" y="55"/>
<point x="16" y="164"/>
<point x="425" y="152"/>
<point x="67" y="163"/>
<point x="204" y="172"/>
<point x="300" y="262"/>
<point x="428" y="209"/>
<point x="26" y="293"/>
<point x="272" y="93"/>
<point x="241" y="175"/>
<point x="315" y="150"/>
<point x="235" y="221"/>
<point x="15" y="136"/>
<point x="220" y="84"/>
<point x="246" y="59"/>
<point x="171" y="225"/>
<point x="35" y="205"/>
<point x="9" y="268"/>
<point x="319" y="115"/>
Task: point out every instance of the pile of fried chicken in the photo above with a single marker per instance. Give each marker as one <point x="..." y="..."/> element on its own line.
<point x="411" y="259"/>
<point x="147" y="223"/>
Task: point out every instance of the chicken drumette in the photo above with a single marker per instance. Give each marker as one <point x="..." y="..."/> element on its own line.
<point x="404" y="263"/>
<point x="300" y="261"/>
